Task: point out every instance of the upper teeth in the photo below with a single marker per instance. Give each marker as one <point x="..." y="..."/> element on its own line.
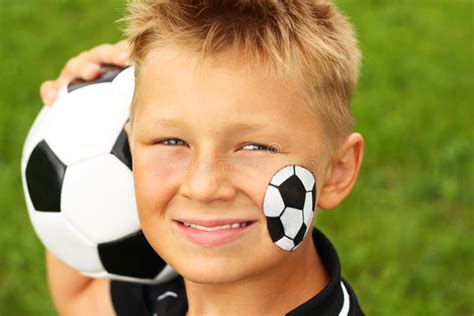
<point x="211" y="229"/>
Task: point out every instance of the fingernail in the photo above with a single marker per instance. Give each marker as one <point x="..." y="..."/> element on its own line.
<point x="91" y="69"/>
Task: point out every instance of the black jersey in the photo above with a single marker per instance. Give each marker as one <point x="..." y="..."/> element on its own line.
<point x="169" y="299"/>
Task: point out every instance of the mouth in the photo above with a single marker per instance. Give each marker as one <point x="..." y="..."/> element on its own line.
<point x="212" y="233"/>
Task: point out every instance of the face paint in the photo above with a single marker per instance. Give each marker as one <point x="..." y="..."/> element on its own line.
<point x="288" y="206"/>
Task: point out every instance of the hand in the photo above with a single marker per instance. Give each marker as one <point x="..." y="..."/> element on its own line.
<point x="85" y="66"/>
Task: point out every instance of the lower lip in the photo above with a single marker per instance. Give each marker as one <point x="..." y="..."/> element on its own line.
<point x="214" y="238"/>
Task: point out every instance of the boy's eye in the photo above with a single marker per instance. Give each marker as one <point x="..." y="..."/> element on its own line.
<point x="261" y="147"/>
<point x="172" y="141"/>
<point x="177" y="142"/>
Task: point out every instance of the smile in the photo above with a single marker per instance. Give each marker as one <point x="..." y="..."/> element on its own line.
<point x="211" y="229"/>
<point x="212" y="233"/>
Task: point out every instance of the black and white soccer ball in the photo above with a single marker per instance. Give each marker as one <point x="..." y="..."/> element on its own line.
<point x="77" y="177"/>
<point x="289" y="205"/>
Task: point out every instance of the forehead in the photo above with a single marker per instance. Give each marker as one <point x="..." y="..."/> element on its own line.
<point x="175" y="85"/>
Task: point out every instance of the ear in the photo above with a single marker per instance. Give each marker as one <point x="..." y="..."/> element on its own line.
<point x="342" y="172"/>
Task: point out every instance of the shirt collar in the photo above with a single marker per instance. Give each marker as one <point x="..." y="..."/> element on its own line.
<point x="331" y="298"/>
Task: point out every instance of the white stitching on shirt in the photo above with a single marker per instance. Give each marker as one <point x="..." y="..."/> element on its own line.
<point x="345" y="306"/>
<point x="166" y="294"/>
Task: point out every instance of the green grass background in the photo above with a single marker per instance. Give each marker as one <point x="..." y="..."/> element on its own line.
<point x="405" y="235"/>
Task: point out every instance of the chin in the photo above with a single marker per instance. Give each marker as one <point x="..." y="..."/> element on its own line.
<point x="225" y="268"/>
<point x="212" y="273"/>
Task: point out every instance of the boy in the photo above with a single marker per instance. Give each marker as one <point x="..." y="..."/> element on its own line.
<point x="229" y="95"/>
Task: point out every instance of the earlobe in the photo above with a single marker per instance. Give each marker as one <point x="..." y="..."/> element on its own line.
<point x="342" y="173"/>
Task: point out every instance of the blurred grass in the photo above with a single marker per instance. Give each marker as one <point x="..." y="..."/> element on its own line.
<point x="405" y="233"/>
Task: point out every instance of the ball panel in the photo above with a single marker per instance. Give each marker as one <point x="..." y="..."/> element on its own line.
<point x="273" y="203"/>
<point x="131" y="256"/>
<point x="306" y="177"/>
<point x="97" y="191"/>
<point x="293" y="193"/>
<point x="308" y="208"/>
<point x="76" y="119"/>
<point x="125" y="83"/>
<point x="126" y="278"/>
<point x="44" y="177"/>
<point x="300" y="235"/>
<point x="285" y="243"/>
<point x="108" y="73"/>
<point x="100" y="274"/>
<point x="62" y="239"/>
<point x="275" y="228"/>
<point x="166" y="274"/>
<point x="121" y="149"/>
<point x="65" y="242"/>
<point x="292" y="219"/>
<point x="281" y="175"/>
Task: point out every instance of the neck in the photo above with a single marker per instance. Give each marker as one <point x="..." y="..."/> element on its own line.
<point x="275" y="292"/>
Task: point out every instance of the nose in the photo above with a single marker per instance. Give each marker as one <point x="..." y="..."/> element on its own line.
<point x="207" y="180"/>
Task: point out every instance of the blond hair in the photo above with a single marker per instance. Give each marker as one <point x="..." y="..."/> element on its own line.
<point x="306" y="39"/>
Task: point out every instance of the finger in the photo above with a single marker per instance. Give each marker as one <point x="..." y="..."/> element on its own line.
<point x="123" y="44"/>
<point x="122" y="59"/>
<point x="108" y="54"/>
<point x="49" y="91"/>
<point x="89" y="70"/>
<point x="79" y="67"/>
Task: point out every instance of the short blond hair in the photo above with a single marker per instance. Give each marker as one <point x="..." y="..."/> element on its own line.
<point x="307" y="39"/>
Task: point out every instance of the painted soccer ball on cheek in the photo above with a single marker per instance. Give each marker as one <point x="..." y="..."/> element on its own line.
<point x="288" y="206"/>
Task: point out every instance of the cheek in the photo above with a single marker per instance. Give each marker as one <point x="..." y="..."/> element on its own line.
<point x="252" y="174"/>
<point x="156" y="177"/>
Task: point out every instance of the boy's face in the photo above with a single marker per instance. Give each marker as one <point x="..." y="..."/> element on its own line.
<point x="196" y="157"/>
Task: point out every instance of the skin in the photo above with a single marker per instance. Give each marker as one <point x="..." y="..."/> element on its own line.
<point x="204" y="168"/>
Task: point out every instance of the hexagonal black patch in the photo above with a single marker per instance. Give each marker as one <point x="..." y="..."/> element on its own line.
<point x="299" y="236"/>
<point x="131" y="256"/>
<point x="108" y="73"/>
<point x="121" y="149"/>
<point x="44" y="178"/>
<point x="275" y="228"/>
<point x="293" y="192"/>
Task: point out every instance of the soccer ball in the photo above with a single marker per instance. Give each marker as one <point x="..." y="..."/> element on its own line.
<point x="288" y="206"/>
<point x="77" y="177"/>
